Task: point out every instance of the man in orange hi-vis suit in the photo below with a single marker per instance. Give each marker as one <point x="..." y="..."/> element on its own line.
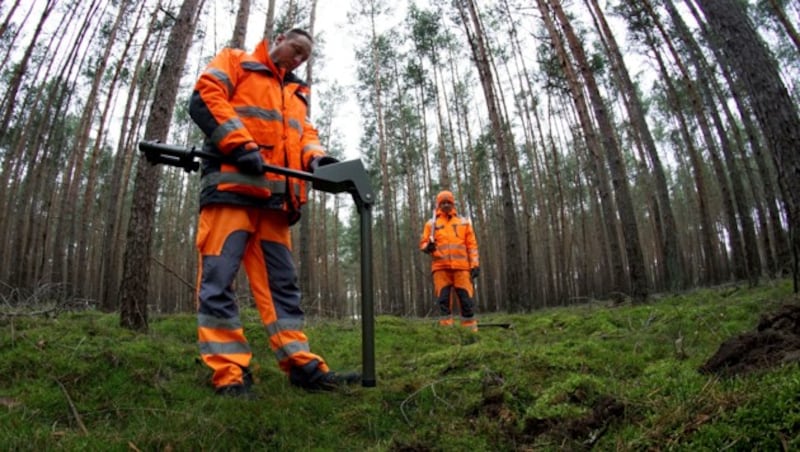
<point x="253" y="110"/>
<point x="450" y="241"/>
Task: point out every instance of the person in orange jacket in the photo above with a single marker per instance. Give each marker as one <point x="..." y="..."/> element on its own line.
<point x="254" y="110"/>
<point x="450" y="241"/>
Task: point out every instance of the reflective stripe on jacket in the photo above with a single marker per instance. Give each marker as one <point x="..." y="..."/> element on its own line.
<point x="456" y="246"/>
<point x="243" y="98"/>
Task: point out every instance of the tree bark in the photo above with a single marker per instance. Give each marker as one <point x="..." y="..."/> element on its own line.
<point x="673" y="267"/>
<point x="240" y="25"/>
<point x="776" y="111"/>
<point x="515" y="290"/>
<point x="134" y="294"/>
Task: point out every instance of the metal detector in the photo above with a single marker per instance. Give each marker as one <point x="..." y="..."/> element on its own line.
<point x="505" y="326"/>
<point x="347" y="176"/>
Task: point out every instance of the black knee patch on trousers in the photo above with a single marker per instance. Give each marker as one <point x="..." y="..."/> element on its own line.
<point x="444" y="300"/>
<point x="467" y="304"/>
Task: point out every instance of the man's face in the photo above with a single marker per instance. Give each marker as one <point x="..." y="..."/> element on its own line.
<point x="446" y="206"/>
<point x="290" y="51"/>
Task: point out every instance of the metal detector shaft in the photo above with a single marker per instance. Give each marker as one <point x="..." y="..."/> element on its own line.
<point x="367" y="309"/>
<point x="185" y="158"/>
<point x="499" y="325"/>
<point x="346" y="176"/>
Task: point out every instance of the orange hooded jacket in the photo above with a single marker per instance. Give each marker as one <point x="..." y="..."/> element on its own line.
<point x="456" y="246"/>
<point x="243" y="98"/>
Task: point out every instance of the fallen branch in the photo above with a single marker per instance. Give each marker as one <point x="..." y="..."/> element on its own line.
<point x="28" y="313"/>
<point x="74" y="410"/>
<point x="431" y="385"/>
<point x="174" y="273"/>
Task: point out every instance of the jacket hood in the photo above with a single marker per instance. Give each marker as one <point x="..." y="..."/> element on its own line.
<point x="445" y="195"/>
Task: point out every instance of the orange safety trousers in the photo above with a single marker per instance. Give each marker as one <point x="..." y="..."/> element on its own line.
<point x="444" y="281"/>
<point x="228" y="236"/>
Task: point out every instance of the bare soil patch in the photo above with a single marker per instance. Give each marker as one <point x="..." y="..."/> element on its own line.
<point x="775" y="341"/>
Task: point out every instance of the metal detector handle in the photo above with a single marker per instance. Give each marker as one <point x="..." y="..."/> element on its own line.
<point x="182" y="157"/>
<point x="433" y="227"/>
<point x="345" y="176"/>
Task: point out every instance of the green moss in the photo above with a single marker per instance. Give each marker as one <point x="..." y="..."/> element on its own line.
<point x="80" y="382"/>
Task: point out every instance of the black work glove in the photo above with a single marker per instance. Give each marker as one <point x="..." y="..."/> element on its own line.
<point x="247" y="158"/>
<point x="474" y="272"/>
<point x="316" y="162"/>
<point x="430" y="247"/>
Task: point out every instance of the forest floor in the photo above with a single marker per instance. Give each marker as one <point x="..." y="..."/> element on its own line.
<point x="707" y="369"/>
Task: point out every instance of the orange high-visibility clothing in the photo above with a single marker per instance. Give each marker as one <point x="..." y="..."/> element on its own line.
<point x="243" y="98"/>
<point x="456" y="246"/>
<point x="455" y="255"/>
<point x="259" y="238"/>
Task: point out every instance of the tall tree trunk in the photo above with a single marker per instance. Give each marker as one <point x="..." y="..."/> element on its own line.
<point x="674" y="274"/>
<point x="89" y="277"/>
<point x="269" y="26"/>
<point x="777" y="249"/>
<point x="616" y="163"/>
<point x="707" y="232"/>
<point x="696" y="103"/>
<point x="136" y="271"/>
<point x="240" y="25"/>
<point x="515" y="290"/>
<point x="113" y="244"/>
<point x="10" y="99"/>
<point x="4" y="26"/>
<point x="37" y="124"/>
<point x="597" y="170"/>
<point x="787" y="24"/>
<point x="752" y="264"/>
<point x="776" y="111"/>
<point x="307" y="231"/>
<point x="14" y="85"/>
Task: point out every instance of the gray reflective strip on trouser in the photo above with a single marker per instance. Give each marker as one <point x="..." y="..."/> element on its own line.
<point x="222" y="77"/>
<point x="284" y="325"/>
<point x="276" y="187"/>
<point x="223" y="348"/>
<point x="224" y="129"/>
<point x="287" y="350"/>
<point x="209" y="321"/>
<point x="259" y="113"/>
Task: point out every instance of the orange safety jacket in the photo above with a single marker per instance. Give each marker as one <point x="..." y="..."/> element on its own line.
<point x="242" y="98"/>
<point x="456" y="247"/>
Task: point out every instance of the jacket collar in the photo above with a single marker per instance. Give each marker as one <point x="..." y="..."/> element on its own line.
<point x="261" y="55"/>
<point x="263" y="62"/>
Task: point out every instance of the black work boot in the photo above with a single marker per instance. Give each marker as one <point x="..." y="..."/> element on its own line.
<point x="247" y="377"/>
<point x="235" y="390"/>
<point x="239" y="389"/>
<point x="317" y="380"/>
